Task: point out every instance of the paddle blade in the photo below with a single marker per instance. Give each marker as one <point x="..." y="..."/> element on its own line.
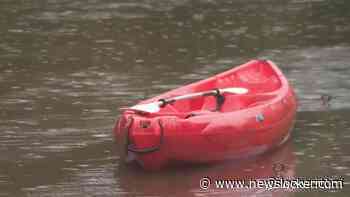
<point x="149" y="107"/>
<point x="236" y="90"/>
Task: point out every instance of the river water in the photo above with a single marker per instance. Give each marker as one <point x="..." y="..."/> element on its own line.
<point x="67" y="66"/>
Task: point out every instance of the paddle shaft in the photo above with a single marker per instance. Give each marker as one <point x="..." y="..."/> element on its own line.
<point x="163" y="102"/>
<point x="154" y="106"/>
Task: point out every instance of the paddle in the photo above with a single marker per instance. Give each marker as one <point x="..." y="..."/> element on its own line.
<point x="155" y="106"/>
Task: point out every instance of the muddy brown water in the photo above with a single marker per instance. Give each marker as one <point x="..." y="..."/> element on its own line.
<point x="67" y="66"/>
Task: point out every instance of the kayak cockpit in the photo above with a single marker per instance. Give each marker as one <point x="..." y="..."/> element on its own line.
<point x="261" y="81"/>
<point x="209" y="104"/>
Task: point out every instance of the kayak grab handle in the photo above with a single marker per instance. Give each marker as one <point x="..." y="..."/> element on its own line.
<point x="131" y="147"/>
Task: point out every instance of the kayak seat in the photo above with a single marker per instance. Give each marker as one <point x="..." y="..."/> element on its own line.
<point x="208" y="104"/>
<point x="234" y="102"/>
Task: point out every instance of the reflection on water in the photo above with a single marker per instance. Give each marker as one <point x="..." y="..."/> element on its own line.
<point x="67" y="66"/>
<point x="184" y="181"/>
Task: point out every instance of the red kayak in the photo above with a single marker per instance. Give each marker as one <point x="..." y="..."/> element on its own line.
<point x="244" y="111"/>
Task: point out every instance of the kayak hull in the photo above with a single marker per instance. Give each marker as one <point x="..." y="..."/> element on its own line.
<point x="196" y="131"/>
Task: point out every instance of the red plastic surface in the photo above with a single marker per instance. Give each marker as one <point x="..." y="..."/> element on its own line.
<point x="191" y="131"/>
